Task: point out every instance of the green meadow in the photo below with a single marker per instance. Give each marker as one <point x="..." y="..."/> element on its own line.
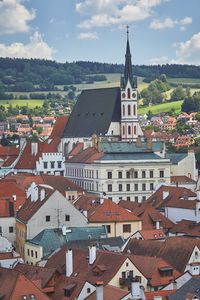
<point x="26" y="102"/>
<point x="160" y="108"/>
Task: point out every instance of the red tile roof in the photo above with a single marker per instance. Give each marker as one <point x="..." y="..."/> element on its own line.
<point x="182" y="179"/>
<point x="88" y="155"/>
<point x="77" y="149"/>
<point x="28" y="160"/>
<point x="155" y="234"/>
<point x="110" y="212"/>
<point x="14" y="285"/>
<point x="175" y="193"/>
<point x="29" y="208"/>
<point x="186" y="227"/>
<point x="163" y="294"/>
<point x="11" y="197"/>
<point x="110" y="293"/>
<point x="59" y="127"/>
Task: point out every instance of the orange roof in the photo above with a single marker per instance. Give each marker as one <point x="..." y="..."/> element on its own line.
<point x="110" y="212"/>
<point x="182" y="179"/>
<point x="9" y="151"/>
<point x="110" y="292"/>
<point x="155" y="234"/>
<point x="28" y="161"/>
<point x="163" y="294"/>
<point x="59" y="127"/>
<point x="88" y="155"/>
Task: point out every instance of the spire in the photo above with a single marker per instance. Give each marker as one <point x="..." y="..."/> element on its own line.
<point x="128" y="65"/>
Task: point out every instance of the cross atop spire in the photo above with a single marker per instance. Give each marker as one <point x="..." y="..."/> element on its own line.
<point x="128" y="65"/>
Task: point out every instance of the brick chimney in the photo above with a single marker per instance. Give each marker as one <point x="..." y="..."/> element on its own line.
<point x="69" y="262"/>
<point x="92" y="254"/>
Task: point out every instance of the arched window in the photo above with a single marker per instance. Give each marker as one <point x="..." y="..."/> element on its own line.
<point x="123" y="110"/>
<point x="129" y="129"/>
<point x="129" y="110"/>
<point x="128" y="93"/>
<point x="135" y="130"/>
<point x="123" y="130"/>
<point x="134" y="110"/>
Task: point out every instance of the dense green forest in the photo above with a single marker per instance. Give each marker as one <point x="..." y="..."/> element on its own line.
<point x="28" y="75"/>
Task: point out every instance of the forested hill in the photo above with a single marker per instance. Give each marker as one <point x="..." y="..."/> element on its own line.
<point x="46" y="72"/>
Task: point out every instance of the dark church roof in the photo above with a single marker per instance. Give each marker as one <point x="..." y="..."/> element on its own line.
<point x="94" y="111"/>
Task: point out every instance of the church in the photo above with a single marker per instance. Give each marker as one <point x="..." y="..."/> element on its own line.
<point x="109" y="113"/>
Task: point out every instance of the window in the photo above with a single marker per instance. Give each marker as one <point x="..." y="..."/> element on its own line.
<point x="59" y="164"/>
<point x="144" y="187"/>
<point x="161" y="173"/>
<point x="129" y="110"/>
<point x="28" y="252"/>
<point x="123" y="110"/>
<point x="127" y="264"/>
<point x="126" y="228"/>
<point x="11" y="229"/>
<point x="136" y="187"/>
<point x="128" y="198"/>
<point x="31" y="253"/>
<point x="123" y="130"/>
<point x="52" y="164"/>
<point x="109" y="175"/>
<point x="135" y="130"/>
<point x="129" y="129"/>
<point x="128" y="174"/>
<point x="119" y="174"/>
<point x="88" y="290"/>
<point x="120" y="187"/>
<point x="47" y="218"/>
<point x="108" y="228"/>
<point x="67" y="217"/>
<point x="128" y="187"/>
<point x="151" y="174"/>
<point x="128" y="93"/>
<point x="151" y="187"/>
<point x="135" y="174"/>
<point x="136" y="198"/>
<point x="123" y="274"/>
<point x="143" y="174"/>
<point x="35" y="254"/>
<point x="143" y="198"/>
<point x="134" y="110"/>
<point x="45" y="164"/>
<point x="109" y="187"/>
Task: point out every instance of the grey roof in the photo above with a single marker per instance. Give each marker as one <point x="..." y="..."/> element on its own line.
<point x="133" y="147"/>
<point x="175" y="158"/>
<point x="192" y="286"/>
<point x="111" y="244"/>
<point x="52" y="239"/>
<point x="131" y="156"/>
<point x="93" y="112"/>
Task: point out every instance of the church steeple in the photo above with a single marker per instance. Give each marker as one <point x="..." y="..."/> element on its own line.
<point x="128" y="65"/>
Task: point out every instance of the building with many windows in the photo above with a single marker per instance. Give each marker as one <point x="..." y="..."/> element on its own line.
<point x="121" y="170"/>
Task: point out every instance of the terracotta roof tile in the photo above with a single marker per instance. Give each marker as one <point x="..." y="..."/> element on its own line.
<point x="186" y="227"/>
<point x="155" y="234"/>
<point x="88" y="155"/>
<point x="14" y="285"/>
<point x="110" y="292"/>
<point x="59" y="126"/>
<point x="182" y="179"/>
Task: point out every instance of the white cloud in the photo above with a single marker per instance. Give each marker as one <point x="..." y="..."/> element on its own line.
<point x="14" y="17"/>
<point x="170" y="23"/>
<point x="159" y="60"/>
<point x="36" y="48"/>
<point x="103" y="13"/>
<point x="188" y="52"/>
<point x="88" y="36"/>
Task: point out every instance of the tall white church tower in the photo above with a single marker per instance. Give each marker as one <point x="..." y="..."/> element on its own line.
<point x="130" y="128"/>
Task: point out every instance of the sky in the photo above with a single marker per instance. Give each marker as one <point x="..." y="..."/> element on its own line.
<point x="160" y="31"/>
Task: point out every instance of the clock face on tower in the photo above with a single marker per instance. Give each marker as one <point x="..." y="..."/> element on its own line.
<point x="134" y="95"/>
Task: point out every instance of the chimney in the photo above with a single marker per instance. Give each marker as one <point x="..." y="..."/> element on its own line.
<point x="165" y="194"/>
<point x="157" y="224"/>
<point x="34" y="192"/>
<point x="14" y="197"/>
<point x="34" y="148"/>
<point x="198" y="195"/>
<point x="99" y="290"/>
<point x="92" y="254"/>
<point x="85" y="213"/>
<point x="198" y="211"/>
<point x="69" y="263"/>
<point x="42" y="194"/>
<point x="139" y="141"/>
<point x="135" y="289"/>
<point x="149" y="144"/>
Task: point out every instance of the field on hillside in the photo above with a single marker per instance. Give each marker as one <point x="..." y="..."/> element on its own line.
<point x="160" y="108"/>
<point x="26" y="102"/>
<point x="184" y="80"/>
